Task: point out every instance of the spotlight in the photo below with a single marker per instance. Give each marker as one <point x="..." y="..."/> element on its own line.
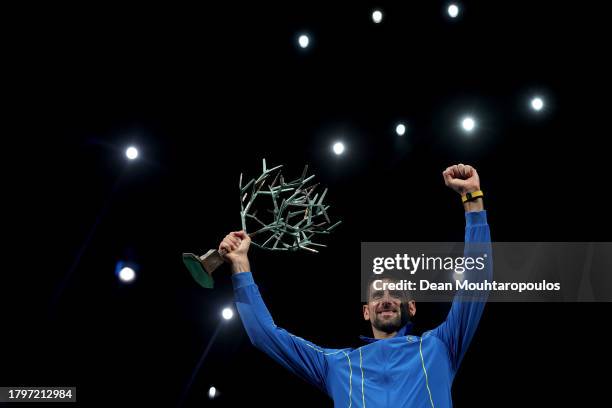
<point x="227" y="313"/>
<point x="303" y="41"/>
<point x="453" y="10"/>
<point x="212" y="392"/>
<point x="400" y="129"/>
<point x="377" y="16"/>
<point x="468" y="124"/>
<point x="338" y="148"/>
<point x="131" y="153"/>
<point x="127" y="274"/>
<point x="537" y="103"/>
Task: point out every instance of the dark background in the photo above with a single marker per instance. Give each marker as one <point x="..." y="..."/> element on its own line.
<point x="205" y="93"/>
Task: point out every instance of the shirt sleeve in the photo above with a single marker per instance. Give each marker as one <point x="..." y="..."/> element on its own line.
<point x="299" y="356"/>
<point x="468" y="305"/>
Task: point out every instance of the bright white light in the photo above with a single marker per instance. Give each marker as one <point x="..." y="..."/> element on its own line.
<point x="212" y="392"/>
<point x="227" y="313"/>
<point x="468" y="124"/>
<point x="400" y="129"/>
<point x="338" y="148"/>
<point x="537" y="103"/>
<point x="127" y="274"/>
<point x="131" y="153"/>
<point x="453" y="10"/>
<point x="377" y="16"/>
<point x="303" y="41"/>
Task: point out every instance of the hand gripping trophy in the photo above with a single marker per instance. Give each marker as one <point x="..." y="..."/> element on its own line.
<point x="293" y="217"/>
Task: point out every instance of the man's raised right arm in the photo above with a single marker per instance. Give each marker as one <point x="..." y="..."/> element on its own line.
<point x="299" y="356"/>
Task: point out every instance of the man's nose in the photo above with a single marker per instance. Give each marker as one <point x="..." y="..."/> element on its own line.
<point x="386" y="301"/>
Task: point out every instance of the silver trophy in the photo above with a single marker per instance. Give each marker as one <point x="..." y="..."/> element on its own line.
<point x="291" y="216"/>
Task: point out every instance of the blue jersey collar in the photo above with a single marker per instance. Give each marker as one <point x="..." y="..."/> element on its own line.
<point x="407" y="329"/>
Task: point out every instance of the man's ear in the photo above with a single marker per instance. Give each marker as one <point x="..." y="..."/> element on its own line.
<point x="411" y="307"/>
<point x="366" y="312"/>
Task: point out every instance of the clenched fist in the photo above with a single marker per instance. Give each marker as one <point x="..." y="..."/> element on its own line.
<point x="236" y="246"/>
<point x="461" y="178"/>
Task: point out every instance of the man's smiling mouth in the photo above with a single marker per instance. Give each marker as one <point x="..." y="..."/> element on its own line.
<point x="387" y="312"/>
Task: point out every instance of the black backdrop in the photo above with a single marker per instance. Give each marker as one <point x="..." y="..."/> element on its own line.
<point x="206" y="93"/>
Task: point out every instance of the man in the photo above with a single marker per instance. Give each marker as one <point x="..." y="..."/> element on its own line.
<point x="394" y="368"/>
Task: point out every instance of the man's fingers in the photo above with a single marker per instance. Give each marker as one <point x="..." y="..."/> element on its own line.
<point x="469" y="171"/>
<point x="461" y="177"/>
<point x="235" y="241"/>
<point x="240" y="234"/>
<point x="461" y="169"/>
<point x="447" y="176"/>
<point x="231" y="242"/>
<point x="224" y="246"/>
<point x="228" y="241"/>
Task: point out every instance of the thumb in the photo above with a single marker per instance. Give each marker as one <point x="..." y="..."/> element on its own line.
<point x="240" y="234"/>
<point x="448" y="178"/>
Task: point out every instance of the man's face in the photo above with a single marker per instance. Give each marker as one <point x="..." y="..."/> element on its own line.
<point x="384" y="310"/>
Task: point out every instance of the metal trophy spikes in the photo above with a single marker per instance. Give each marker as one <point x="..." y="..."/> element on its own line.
<point x="298" y="215"/>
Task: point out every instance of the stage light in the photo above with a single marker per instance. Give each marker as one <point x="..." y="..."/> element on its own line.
<point x="338" y="148"/>
<point x="453" y="10"/>
<point x="468" y="124"/>
<point x="127" y="274"/>
<point x="131" y="153"/>
<point x="377" y="16"/>
<point x="212" y="392"/>
<point x="304" y="41"/>
<point x="227" y="313"/>
<point x="400" y="129"/>
<point x="537" y="103"/>
<point x="125" y="271"/>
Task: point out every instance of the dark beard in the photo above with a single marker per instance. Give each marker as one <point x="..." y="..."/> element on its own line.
<point x="388" y="326"/>
<point x="393" y="325"/>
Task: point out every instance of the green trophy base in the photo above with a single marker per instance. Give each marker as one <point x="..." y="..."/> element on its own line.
<point x="202" y="267"/>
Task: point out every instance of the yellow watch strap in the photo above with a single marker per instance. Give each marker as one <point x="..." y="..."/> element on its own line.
<point x="472" y="196"/>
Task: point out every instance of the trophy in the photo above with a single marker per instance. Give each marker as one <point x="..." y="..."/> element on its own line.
<point x="294" y="216"/>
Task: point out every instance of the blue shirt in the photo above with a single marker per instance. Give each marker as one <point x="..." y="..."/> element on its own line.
<point x="402" y="371"/>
